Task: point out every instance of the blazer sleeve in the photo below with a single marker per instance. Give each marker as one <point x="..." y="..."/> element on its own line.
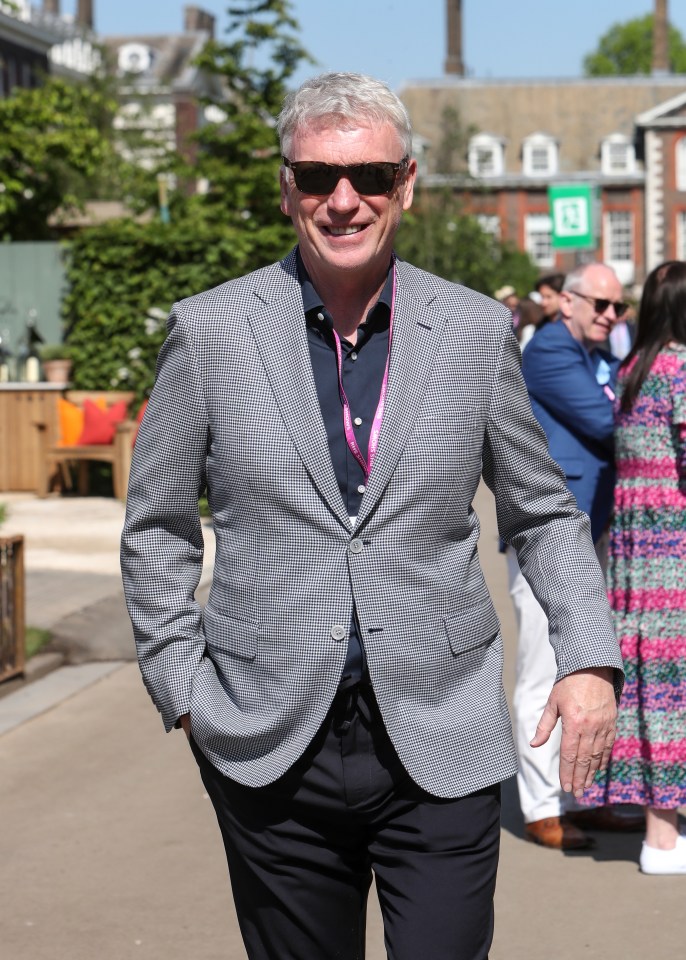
<point x="162" y="542"/>
<point x="555" y="370"/>
<point x="538" y="516"/>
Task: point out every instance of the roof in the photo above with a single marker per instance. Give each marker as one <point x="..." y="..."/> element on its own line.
<point x="170" y="62"/>
<point x="579" y="113"/>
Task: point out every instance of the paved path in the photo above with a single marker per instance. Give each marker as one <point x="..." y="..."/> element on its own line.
<point x="109" y="848"/>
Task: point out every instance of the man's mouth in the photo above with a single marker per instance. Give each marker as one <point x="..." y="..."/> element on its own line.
<point x="345" y="231"/>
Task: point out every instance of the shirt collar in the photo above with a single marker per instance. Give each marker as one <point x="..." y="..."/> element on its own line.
<point x="312" y="302"/>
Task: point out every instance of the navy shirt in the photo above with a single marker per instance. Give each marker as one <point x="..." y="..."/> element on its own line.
<point x="363" y="369"/>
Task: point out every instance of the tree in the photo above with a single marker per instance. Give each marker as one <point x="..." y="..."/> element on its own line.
<point x="627" y="48"/>
<point x="238" y="154"/>
<point x="438" y="236"/>
<point x="56" y="151"/>
<point x="124" y="275"/>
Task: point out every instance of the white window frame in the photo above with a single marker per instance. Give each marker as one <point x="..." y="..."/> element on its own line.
<point x="486" y="156"/>
<point x="680" y="163"/>
<point x="612" y="149"/>
<point x="539" y="155"/>
<point x="618" y="236"/>
<point x="681" y="235"/>
<point x="538" y="239"/>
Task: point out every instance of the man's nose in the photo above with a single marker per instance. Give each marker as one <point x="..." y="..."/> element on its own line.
<point x="344" y="197"/>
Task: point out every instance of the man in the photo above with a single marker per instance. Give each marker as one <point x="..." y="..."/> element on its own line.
<point x="571" y="386"/>
<point x="342" y="690"/>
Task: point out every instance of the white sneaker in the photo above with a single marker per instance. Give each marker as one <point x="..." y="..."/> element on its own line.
<point x="664" y="862"/>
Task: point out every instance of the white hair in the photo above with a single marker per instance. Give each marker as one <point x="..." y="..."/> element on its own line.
<point x="346" y="98"/>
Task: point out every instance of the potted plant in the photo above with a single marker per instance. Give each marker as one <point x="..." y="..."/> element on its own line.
<point x="56" y="359"/>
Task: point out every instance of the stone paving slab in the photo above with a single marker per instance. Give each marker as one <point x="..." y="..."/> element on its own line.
<point x="36" y="698"/>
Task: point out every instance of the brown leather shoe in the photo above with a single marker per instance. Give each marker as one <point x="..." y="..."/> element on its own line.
<point x="557" y="833"/>
<point x="607" y="818"/>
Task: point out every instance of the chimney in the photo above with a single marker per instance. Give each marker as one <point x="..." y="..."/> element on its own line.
<point x="660" y="38"/>
<point x="84" y="13"/>
<point x="195" y="19"/>
<point x="52" y="7"/>
<point x="454" y="63"/>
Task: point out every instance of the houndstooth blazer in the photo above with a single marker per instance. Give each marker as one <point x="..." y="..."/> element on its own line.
<point x="235" y="406"/>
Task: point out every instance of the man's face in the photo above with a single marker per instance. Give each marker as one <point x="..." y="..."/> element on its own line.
<point x="344" y="231"/>
<point x="586" y="324"/>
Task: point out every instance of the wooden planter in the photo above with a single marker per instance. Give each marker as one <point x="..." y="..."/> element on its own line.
<point x="12" y="607"/>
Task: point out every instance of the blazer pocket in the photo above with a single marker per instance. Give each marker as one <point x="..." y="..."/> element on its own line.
<point x="459" y="422"/>
<point x="223" y="634"/>
<point x="472" y="627"/>
<point x="572" y="467"/>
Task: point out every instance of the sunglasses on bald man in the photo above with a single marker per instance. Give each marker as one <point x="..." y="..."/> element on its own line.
<point x="600" y="304"/>
<point x="367" y="179"/>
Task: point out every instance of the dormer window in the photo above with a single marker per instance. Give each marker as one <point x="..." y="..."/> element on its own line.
<point x="539" y="155"/>
<point x="135" y="58"/>
<point x="486" y="156"/>
<point x="617" y="155"/>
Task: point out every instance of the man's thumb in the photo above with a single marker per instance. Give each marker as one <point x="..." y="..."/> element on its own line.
<point x="546" y="725"/>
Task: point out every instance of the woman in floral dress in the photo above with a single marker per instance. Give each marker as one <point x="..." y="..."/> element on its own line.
<point x="647" y="573"/>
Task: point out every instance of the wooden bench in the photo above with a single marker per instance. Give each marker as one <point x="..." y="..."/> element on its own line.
<point x="56" y="459"/>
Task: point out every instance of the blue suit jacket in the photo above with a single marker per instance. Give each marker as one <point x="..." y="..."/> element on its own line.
<point x="576" y="415"/>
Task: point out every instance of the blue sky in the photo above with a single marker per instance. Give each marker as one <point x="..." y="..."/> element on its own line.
<point x="401" y="40"/>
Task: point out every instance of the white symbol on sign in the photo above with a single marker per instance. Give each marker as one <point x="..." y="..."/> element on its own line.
<point x="571" y="216"/>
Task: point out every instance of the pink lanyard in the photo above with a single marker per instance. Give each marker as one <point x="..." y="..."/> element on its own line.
<point x="378" y="416"/>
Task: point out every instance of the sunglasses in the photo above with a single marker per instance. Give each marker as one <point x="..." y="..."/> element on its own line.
<point x="367" y="179"/>
<point x="600" y="304"/>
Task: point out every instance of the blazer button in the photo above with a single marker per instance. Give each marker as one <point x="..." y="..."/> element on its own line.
<point x="356" y="546"/>
<point x="338" y="632"/>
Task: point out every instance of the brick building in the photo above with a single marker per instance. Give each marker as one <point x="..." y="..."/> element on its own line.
<point x="619" y="134"/>
<point x="625" y="136"/>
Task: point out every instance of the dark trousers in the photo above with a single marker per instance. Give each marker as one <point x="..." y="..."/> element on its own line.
<point x="302" y="851"/>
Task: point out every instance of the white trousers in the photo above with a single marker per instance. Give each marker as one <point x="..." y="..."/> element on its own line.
<point x="538" y="779"/>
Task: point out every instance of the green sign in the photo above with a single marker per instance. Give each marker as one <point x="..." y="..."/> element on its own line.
<point x="572" y="211"/>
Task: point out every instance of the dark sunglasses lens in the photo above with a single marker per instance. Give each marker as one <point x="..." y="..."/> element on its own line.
<point x="368" y="179"/>
<point x="602" y="305"/>
<point x="314" y="177"/>
<point x="373" y="179"/>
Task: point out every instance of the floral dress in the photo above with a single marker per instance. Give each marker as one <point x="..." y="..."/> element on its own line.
<point x="647" y="591"/>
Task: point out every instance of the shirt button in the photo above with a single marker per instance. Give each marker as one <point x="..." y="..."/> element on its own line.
<point x="361" y="488"/>
<point x="356" y="546"/>
<point x="337" y="632"/>
<point x="358" y="421"/>
<point x="353" y="356"/>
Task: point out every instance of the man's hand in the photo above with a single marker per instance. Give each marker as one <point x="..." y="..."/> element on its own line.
<point x="585" y="703"/>
<point x="185" y="721"/>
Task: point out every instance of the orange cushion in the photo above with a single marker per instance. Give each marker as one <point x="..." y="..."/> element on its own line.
<point x="71" y="420"/>
<point x="99" y="426"/>
<point x="139" y="420"/>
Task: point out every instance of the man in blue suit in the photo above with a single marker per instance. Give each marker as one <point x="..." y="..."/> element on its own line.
<point x="571" y="382"/>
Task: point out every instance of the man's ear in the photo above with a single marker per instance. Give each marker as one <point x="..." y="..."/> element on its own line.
<point x="566" y="304"/>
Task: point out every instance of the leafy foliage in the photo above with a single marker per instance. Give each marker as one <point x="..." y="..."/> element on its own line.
<point x="627" y="48"/>
<point x="55" y="150"/>
<point x="438" y="236"/>
<point x="125" y="275"/>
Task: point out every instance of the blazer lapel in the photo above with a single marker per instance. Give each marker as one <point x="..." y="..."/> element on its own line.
<point x="278" y="326"/>
<point x="416" y="334"/>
